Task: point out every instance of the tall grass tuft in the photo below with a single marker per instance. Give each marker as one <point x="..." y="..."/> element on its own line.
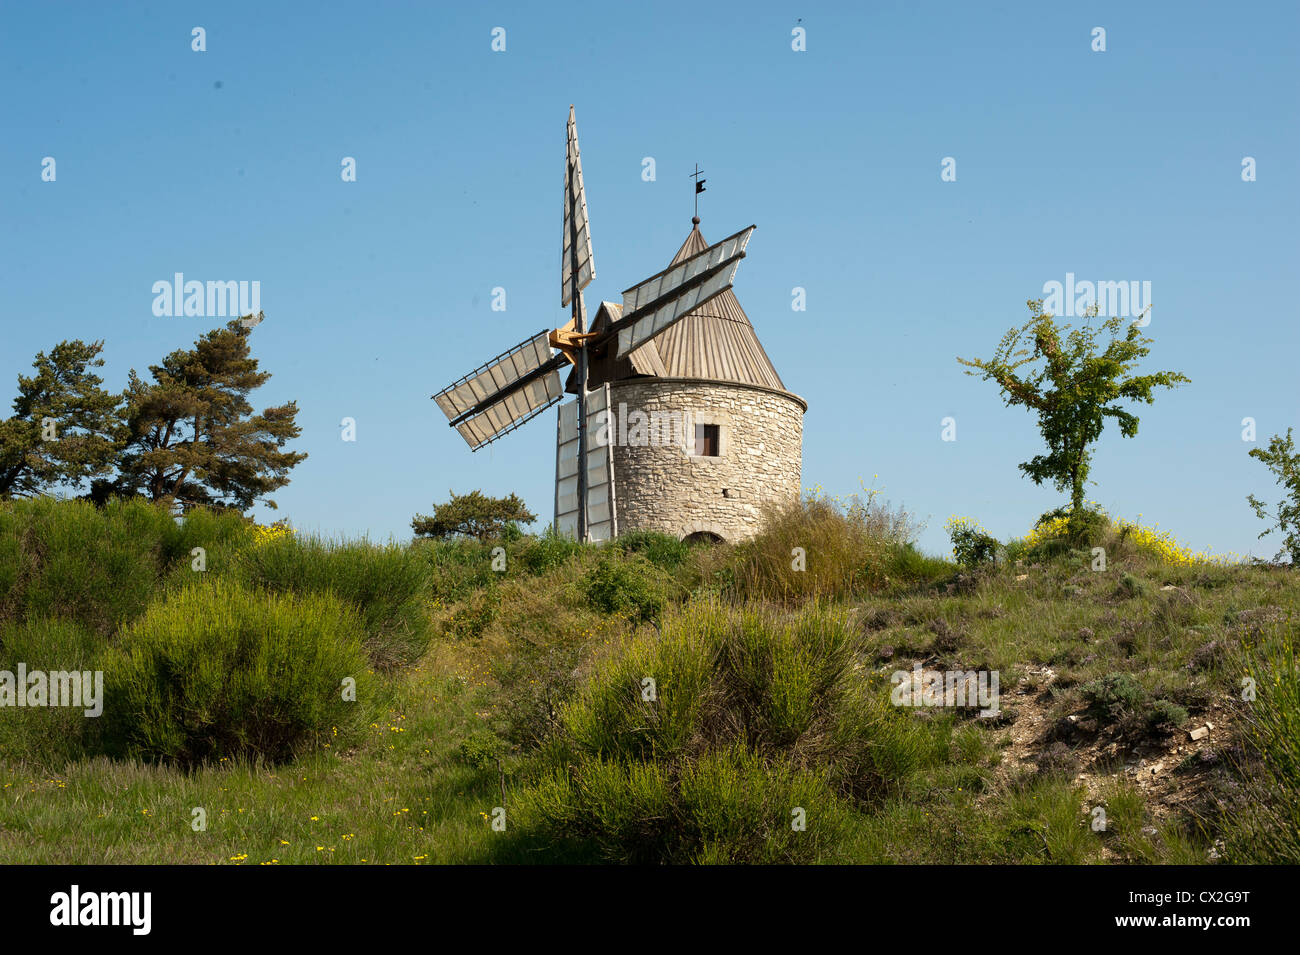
<point x="1266" y="830"/>
<point x="819" y="548"/>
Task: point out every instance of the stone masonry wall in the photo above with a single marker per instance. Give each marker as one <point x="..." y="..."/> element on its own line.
<point x="662" y="488"/>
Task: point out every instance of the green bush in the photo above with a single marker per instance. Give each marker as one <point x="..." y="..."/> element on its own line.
<point x="386" y="585"/>
<point x="1014" y="550"/>
<point x="727" y="807"/>
<point x="971" y="546"/>
<point x="1113" y="694"/>
<point x="69" y="559"/>
<point x="1164" y="713"/>
<point x="481" y="749"/>
<point x="908" y="565"/>
<point x="548" y="551"/>
<point x="1082" y="530"/>
<point x="102" y="566"/>
<point x="457" y="567"/>
<point x="663" y="550"/>
<point x="630" y="586"/>
<point x="1130" y="586"/>
<point x="698" y="746"/>
<point x="222" y="533"/>
<point x="218" y="670"/>
<point x="48" y="735"/>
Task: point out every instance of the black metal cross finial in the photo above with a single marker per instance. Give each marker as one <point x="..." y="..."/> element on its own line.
<point x="699" y="187"/>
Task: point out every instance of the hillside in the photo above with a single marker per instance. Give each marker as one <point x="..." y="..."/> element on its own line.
<point x="644" y="701"/>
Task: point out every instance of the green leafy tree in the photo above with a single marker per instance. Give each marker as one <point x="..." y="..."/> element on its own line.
<point x="1282" y="459"/>
<point x="66" y="429"/>
<point x="193" y="437"/>
<point x="473" y="515"/>
<point x="1073" y="384"/>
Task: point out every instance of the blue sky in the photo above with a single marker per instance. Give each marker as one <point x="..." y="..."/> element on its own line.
<point x="1115" y="165"/>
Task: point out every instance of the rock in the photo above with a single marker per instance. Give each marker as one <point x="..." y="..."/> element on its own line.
<point x="1200" y="732"/>
<point x="1022" y="576"/>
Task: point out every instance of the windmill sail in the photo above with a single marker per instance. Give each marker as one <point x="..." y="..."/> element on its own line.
<point x="666" y="298"/>
<point x="601" y="518"/>
<point x="575" y="199"/>
<point x="501" y="395"/>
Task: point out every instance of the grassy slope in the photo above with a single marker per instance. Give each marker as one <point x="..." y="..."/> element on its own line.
<point x="1018" y="789"/>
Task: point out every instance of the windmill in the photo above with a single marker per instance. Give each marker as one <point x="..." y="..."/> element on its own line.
<point x="522" y="382"/>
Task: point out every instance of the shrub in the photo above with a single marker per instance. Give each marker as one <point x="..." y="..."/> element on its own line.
<point x="71" y="560"/>
<point x="727" y="807"/>
<point x="663" y="550"/>
<point x="1061" y="529"/>
<point x="217" y="670"/>
<point x="385" y="585"/>
<point x="845" y="549"/>
<point x="548" y="551"/>
<point x="749" y="717"/>
<point x="481" y="749"/>
<point x="971" y="544"/>
<point x="47" y="735"/>
<point x="101" y="566"/>
<point x="220" y="532"/>
<point x="908" y="565"/>
<point x="1112" y="694"/>
<point x="457" y="567"/>
<point x="1166" y="715"/>
<point x="1130" y="586"/>
<point x="628" y="586"/>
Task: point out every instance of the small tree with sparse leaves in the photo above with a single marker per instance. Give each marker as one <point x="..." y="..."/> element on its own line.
<point x="1073" y="385"/>
<point x="1282" y="459"/>
<point x="473" y="515"/>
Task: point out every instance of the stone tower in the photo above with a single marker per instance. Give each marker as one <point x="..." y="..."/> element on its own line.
<point x="704" y="432"/>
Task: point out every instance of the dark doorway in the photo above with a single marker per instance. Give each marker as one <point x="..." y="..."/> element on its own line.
<point x="702" y="537"/>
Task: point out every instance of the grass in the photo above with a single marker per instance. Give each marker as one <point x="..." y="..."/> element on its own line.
<point x="771" y="695"/>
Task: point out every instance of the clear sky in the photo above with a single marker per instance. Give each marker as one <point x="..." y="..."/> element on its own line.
<point x="1116" y="165"/>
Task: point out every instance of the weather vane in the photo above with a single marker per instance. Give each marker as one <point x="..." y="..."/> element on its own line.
<point x="699" y="187"/>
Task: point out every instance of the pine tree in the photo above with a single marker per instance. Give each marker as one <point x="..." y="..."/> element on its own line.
<point x="66" y="429"/>
<point x="193" y="437"/>
<point x="473" y="515"/>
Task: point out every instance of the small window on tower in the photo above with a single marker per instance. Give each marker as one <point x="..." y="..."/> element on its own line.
<point x="706" y="440"/>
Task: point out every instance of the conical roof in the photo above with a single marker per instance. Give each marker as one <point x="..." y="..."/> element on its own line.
<point x="715" y="342"/>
